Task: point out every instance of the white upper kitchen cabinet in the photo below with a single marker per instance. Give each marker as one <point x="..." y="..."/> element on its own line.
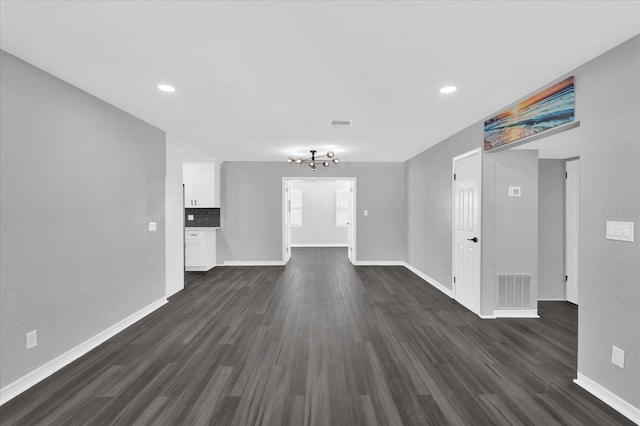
<point x="200" y="185"/>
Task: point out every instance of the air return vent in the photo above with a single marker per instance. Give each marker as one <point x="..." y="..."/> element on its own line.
<point x="514" y="291"/>
<point x="341" y="123"/>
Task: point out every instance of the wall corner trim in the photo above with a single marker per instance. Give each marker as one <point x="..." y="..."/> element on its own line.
<point x="430" y="280"/>
<point x="515" y="313"/>
<point x="39" y="374"/>
<point x="609" y="398"/>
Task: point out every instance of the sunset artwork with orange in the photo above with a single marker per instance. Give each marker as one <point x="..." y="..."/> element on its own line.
<point x="545" y="110"/>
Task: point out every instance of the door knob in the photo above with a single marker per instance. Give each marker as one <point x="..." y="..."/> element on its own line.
<point x="474" y="239"/>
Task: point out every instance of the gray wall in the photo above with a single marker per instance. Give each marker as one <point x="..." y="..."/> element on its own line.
<point x="319" y="214"/>
<point x="251" y="209"/>
<point x="608" y="104"/>
<point x="551" y="229"/>
<point x="428" y="204"/>
<point x="509" y="225"/>
<point x="80" y="180"/>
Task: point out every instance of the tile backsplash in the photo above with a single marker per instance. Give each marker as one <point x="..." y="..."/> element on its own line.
<point x="202" y="217"/>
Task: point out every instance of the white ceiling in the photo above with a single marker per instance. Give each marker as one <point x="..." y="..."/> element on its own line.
<point x="261" y="80"/>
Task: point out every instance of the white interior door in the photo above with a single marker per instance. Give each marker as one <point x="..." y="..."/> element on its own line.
<point x="350" y="232"/>
<point x="572" y="228"/>
<point x="466" y="230"/>
<point x="287" y="222"/>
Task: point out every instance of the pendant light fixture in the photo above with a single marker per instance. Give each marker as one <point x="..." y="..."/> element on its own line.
<point x="324" y="160"/>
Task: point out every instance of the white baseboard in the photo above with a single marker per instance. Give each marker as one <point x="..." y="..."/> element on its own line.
<point x="378" y="263"/>
<point x="320" y="245"/>
<point x="609" y="398"/>
<point x="515" y="313"/>
<point x="430" y="280"/>
<point x="198" y="268"/>
<point x="551" y="300"/>
<point x="254" y="263"/>
<point x="22" y="384"/>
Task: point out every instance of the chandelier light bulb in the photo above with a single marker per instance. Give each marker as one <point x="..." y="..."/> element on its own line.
<point x="325" y="163"/>
<point x="291" y="160"/>
<point x="330" y="154"/>
<point x="298" y="161"/>
<point x="336" y="160"/>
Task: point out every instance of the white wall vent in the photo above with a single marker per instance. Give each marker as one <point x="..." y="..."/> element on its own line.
<point x="514" y="291"/>
<point x="341" y="123"/>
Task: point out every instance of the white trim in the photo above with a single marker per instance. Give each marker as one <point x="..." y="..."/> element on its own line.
<point x="609" y="398"/>
<point x="253" y="263"/>
<point x="515" y="313"/>
<point x="198" y="268"/>
<point x="354" y="214"/>
<point x="25" y="382"/>
<point x="543" y="299"/>
<point x="467" y="154"/>
<point x="378" y="263"/>
<point x="320" y="245"/>
<point x="487" y="317"/>
<point x="430" y="280"/>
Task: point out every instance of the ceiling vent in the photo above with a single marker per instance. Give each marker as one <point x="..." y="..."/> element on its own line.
<point x="341" y="123"/>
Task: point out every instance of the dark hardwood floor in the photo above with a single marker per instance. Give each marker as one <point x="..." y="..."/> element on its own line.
<point x="320" y="342"/>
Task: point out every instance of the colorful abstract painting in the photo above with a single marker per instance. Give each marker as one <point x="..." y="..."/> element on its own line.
<point x="543" y="111"/>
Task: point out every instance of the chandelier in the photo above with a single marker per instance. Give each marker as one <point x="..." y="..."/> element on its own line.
<point x="313" y="162"/>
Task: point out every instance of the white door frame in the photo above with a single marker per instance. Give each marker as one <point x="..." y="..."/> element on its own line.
<point x="453" y="230"/>
<point x="571" y="273"/>
<point x="286" y="237"/>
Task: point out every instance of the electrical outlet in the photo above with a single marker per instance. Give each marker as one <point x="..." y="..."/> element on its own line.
<point x="153" y="226"/>
<point x="617" y="356"/>
<point x="31" y="339"/>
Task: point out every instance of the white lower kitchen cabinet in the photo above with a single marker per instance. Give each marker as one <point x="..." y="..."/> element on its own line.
<point x="200" y="249"/>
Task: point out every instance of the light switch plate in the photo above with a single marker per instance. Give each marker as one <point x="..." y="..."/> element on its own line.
<point x="153" y="226"/>
<point x="515" y="191"/>
<point x="31" y="339"/>
<point x="617" y="356"/>
<point x="366" y="212"/>
<point x="189" y="217"/>
<point x="619" y="231"/>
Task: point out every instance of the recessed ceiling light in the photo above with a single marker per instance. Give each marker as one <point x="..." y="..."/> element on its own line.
<point x="166" y="88"/>
<point x="448" y="89"/>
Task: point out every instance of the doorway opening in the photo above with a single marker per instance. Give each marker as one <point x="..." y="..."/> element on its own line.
<point x="318" y="212"/>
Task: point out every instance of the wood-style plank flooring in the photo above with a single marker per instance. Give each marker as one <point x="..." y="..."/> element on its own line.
<point x="320" y="342"/>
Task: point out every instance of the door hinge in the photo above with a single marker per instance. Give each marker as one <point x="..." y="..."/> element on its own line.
<point x="454" y="176"/>
<point x="566" y="278"/>
<point x="454" y="279"/>
<point x="566" y="175"/>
